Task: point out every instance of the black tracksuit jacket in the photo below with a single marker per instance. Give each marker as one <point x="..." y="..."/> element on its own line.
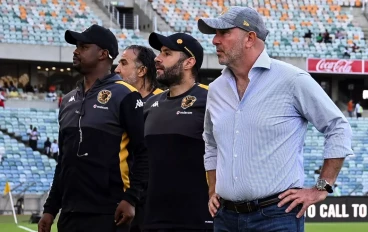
<point x="100" y="135"/>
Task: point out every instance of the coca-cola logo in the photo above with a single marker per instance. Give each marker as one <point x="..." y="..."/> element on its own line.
<point x="340" y="66"/>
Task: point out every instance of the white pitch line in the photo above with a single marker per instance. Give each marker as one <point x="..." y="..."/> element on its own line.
<point x="27" y="229"/>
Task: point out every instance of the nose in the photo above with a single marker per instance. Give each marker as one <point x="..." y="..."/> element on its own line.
<point x="216" y="39"/>
<point x="76" y="52"/>
<point x="117" y="69"/>
<point x="158" y="59"/>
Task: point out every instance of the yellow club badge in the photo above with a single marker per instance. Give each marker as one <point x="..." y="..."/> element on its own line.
<point x="179" y="41"/>
<point x="104" y="96"/>
<point x="188" y="101"/>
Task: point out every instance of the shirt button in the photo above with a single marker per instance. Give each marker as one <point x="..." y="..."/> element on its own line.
<point x="236" y="178"/>
<point x="235" y="155"/>
<point x="237" y="132"/>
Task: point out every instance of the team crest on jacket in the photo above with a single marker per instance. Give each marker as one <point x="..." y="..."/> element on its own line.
<point x="188" y="101"/>
<point x="104" y="96"/>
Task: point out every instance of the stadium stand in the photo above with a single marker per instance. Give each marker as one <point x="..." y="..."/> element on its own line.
<point x="353" y="178"/>
<point x="45" y="21"/>
<point x="42" y="21"/>
<point x="21" y="164"/>
<point x="288" y="21"/>
<point x="129" y="37"/>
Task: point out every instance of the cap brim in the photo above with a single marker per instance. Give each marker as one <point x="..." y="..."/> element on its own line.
<point x="209" y="26"/>
<point x="73" y="37"/>
<point x="157" y="41"/>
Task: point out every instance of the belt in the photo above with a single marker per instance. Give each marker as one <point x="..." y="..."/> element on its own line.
<point x="250" y="206"/>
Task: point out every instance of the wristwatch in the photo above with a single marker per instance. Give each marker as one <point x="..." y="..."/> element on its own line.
<point x="323" y="185"/>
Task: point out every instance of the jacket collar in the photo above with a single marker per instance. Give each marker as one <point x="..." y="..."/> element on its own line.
<point x="113" y="77"/>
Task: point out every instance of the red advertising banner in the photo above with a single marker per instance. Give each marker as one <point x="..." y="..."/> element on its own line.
<point x="338" y="66"/>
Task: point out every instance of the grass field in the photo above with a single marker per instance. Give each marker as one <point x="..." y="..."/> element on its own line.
<point x="7" y="225"/>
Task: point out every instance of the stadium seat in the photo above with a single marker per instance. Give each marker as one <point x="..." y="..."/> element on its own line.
<point x="45" y="23"/>
<point x="21" y="164"/>
<point x="287" y="22"/>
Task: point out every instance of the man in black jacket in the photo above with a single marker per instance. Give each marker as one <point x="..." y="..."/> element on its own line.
<point x="137" y="68"/>
<point x="101" y="129"/>
<point x="177" y="194"/>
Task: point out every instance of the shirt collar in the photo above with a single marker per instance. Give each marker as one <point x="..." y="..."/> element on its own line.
<point x="263" y="61"/>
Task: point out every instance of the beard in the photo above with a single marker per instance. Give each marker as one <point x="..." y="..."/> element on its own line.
<point x="233" y="55"/>
<point x="83" y="67"/>
<point x="230" y="57"/>
<point x="79" y="69"/>
<point x="77" y="66"/>
<point x="131" y="80"/>
<point x="171" y="76"/>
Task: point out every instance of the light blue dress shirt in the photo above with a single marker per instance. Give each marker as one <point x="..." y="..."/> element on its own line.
<point x="256" y="143"/>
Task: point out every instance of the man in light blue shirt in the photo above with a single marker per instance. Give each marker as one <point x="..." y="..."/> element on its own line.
<point x="255" y="125"/>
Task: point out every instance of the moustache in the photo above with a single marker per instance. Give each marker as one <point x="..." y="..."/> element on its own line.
<point x="160" y="67"/>
<point x="219" y="50"/>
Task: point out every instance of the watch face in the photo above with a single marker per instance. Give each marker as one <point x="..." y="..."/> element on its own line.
<point x="321" y="184"/>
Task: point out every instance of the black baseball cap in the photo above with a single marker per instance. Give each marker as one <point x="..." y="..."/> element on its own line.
<point x="98" y="35"/>
<point x="179" y="42"/>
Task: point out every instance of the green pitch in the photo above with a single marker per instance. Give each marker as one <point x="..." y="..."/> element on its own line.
<point x="7" y="225"/>
<point x="337" y="227"/>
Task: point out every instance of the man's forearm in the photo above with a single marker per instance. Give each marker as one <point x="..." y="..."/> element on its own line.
<point x="211" y="175"/>
<point x="53" y="201"/>
<point x="331" y="169"/>
<point x="138" y="175"/>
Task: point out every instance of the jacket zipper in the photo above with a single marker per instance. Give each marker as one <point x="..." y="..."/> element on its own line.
<point x="80" y="118"/>
<point x="80" y="132"/>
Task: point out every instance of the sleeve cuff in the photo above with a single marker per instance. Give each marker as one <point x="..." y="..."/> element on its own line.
<point x="337" y="148"/>
<point x="53" y="212"/>
<point x="332" y="155"/>
<point x="130" y="199"/>
<point x="210" y="164"/>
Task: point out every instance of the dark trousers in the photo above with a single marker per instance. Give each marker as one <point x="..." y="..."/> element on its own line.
<point x="268" y="219"/>
<point x="33" y="144"/>
<point x="55" y="155"/>
<point x="138" y="218"/>
<point x="86" y="222"/>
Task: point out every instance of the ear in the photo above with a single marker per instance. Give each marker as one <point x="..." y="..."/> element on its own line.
<point x="142" y="71"/>
<point x="189" y="63"/>
<point x="252" y="38"/>
<point x="103" y="54"/>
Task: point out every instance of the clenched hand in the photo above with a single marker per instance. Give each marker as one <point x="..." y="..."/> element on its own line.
<point x="45" y="223"/>
<point x="124" y="213"/>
